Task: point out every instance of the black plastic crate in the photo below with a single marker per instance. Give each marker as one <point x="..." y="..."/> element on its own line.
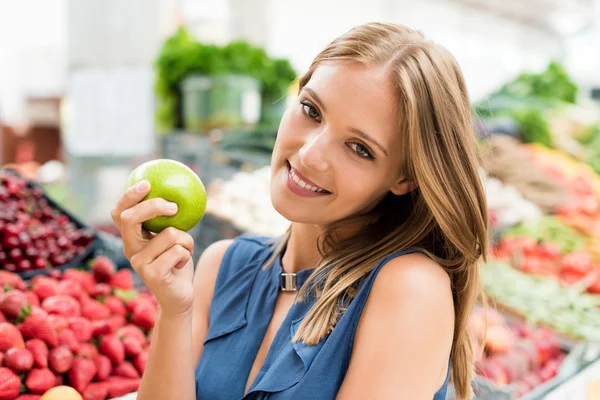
<point x="77" y="260"/>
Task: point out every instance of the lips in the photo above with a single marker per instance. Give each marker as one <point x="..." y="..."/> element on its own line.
<point x="303" y="182"/>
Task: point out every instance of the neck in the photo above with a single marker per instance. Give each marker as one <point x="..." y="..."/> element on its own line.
<point x="301" y="252"/>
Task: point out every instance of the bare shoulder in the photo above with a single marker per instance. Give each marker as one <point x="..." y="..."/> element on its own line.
<point x="211" y="258"/>
<point x="404" y="334"/>
<point x="205" y="277"/>
<point x="413" y="276"/>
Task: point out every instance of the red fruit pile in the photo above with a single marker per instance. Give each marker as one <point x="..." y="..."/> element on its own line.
<point x="89" y="330"/>
<point x="514" y="353"/>
<point x="33" y="235"/>
<point x="545" y="259"/>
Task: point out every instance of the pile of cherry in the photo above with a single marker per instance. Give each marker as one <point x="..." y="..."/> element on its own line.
<point x="34" y="235"/>
<point x="90" y="330"/>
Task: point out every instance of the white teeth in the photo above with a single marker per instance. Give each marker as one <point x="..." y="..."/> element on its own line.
<point x="303" y="184"/>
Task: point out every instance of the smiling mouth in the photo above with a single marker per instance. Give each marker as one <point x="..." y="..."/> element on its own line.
<point x="303" y="182"/>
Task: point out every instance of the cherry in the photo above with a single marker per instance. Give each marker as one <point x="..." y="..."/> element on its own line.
<point x="24" y="265"/>
<point x="11" y="267"/>
<point x="40" y="263"/>
<point x="16" y="254"/>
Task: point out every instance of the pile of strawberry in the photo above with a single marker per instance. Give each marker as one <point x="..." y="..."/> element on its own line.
<point x="90" y="330"/>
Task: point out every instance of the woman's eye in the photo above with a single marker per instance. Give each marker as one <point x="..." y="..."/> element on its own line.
<point x="361" y="150"/>
<point x="311" y="111"/>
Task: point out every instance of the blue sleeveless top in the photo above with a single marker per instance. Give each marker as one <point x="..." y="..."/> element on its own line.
<point x="243" y="303"/>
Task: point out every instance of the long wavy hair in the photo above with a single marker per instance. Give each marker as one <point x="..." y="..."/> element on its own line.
<point x="445" y="216"/>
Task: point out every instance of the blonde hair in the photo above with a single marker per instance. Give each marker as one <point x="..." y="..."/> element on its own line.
<point x="445" y="216"/>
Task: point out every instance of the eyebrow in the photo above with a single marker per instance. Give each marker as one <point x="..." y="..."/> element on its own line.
<point x="351" y="129"/>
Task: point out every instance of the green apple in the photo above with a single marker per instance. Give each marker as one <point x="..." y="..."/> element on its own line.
<point x="174" y="182"/>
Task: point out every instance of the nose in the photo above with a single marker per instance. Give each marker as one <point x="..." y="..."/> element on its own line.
<point x="313" y="154"/>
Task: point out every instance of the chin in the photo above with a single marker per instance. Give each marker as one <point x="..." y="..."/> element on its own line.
<point x="292" y="210"/>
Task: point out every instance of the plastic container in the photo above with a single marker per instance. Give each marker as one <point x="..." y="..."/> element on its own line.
<point x="77" y="260"/>
<point x="215" y="102"/>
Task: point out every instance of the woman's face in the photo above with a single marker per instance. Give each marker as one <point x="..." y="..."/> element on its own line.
<point x="338" y="146"/>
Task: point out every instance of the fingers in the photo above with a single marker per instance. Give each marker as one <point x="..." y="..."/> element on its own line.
<point x="160" y="270"/>
<point x="131" y="197"/>
<point x="132" y="218"/>
<point x="161" y="243"/>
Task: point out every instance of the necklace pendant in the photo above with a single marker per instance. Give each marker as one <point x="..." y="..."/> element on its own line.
<point x="287" y="282"/>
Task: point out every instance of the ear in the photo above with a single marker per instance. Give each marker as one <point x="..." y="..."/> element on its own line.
<point x="403" y="186"/>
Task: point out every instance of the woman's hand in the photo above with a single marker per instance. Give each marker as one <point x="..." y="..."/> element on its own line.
<point x="163" y="261"/>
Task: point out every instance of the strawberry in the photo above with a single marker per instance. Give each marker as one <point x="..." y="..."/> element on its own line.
<point x="19" y="360"/>
<point x="71" y="287"/>
<point x="103" y="268"/>
<point x="10" y="337"/>
<point x="45" y="287"/>
<point x="119" y="386"/>
<point x="113" y="348"/>
<point x="102" y="328"/>
<point x="35" y="311"/>
<point x="36" y="327"/>
<point x="82" y="328"/>
<point x="101" y="290"/>
<point x="132" y="346"/>
<point x="96" y="391"/>
<point x="11" y="280"/>
<point x="143" y="298"/>
<point x="60" y="359"/>
<point x="139" y="362"/>
<point x="122" y="280"/>
<point x="29" y="397"/>
<point x="81" y="373"/>
<point x="12" y="302"/>
<point x="10" y="384"/>
<point x="2" y="317"/>
<point x="58" y="322"/>
<point x="32" y="298"/>
<point x="39" y="350"/>
<point x="39" y="380"/>
<point x="94" y="311"/>
<point x="62" y="305"/>
<point x="59" y="380"/>
<point x="103" y="367"/>
<point x="144" y="316"/>
<point x="87" y="350"/>
<point x="115" y="305"/>
<point x="117" y="322"/>
<point x="67" y="337"/>
<point x="1" y="359"/>
<point x="86" y="280"/>
<point x="126" y="370"/>
<point x="132" y="331"/>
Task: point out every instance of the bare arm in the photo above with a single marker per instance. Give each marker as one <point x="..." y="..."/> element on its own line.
<point x="404" y="335"/>
<point x="178" y="339"/>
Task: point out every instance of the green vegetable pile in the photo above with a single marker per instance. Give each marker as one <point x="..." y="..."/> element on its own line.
<point x="181" y="55"/>
<point x="527" y="97"/>
<point x="550" y="229"/>
<point x="543" y="301"/>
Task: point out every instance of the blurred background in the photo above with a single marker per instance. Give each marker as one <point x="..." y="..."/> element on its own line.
<point x="90" y="89"/>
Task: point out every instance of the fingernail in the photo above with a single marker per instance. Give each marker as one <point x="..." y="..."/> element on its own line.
<point x="143" y="185"/>
<point x="172" y="207"/>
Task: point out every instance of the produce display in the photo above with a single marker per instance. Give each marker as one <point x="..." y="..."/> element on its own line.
<point x="85" y="329"/>
<point x="564" y="309"/>
<point x="514" y="353"/>
<point x="174" y="182"/>
<point x="507" y="205"/>
<point x="245" y="201"/>
<point x="34" y="235"/>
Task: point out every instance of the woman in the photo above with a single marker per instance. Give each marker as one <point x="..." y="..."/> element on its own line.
<point x="368" y="295"/>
